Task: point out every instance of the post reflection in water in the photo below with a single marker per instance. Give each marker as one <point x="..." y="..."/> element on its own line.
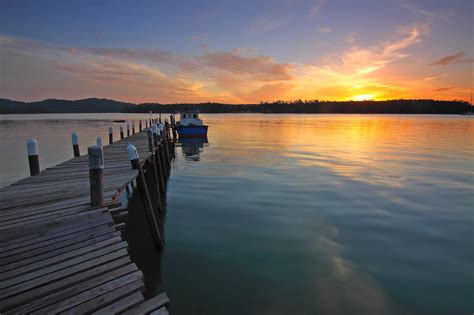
<point x="191" y="148"/>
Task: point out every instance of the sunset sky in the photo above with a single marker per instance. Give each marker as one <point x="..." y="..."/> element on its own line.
<point x="236" y="51"/>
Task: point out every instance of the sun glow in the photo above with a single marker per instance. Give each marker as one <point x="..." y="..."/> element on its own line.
<point x="363" y="97"/>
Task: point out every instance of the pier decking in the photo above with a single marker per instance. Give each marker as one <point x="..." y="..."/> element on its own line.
<point x="60" y="255"/>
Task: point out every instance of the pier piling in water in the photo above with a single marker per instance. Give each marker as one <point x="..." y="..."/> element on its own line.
<point x="96" y="175"/>
<point x="121" y="133"/>
<point x="128" y="130"/>
<point x="33" y="156"/>
<point x="75" y="143"/>
<point x="145" y="196"/>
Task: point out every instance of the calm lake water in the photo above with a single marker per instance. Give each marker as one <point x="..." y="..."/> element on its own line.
<point x="303" y="214"/>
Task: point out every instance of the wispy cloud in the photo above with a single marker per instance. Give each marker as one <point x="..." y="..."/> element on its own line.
<point x="452" y="59"/>
<point x="269" y="23"/>
<point x="324" y="29"/>
<point x="428" y="14"/>
<point x="316" y="8"/>
<point x="351" y="38"/>
<point x="442" y="89"/>
<point x="435" y="77"/>
<point x="369" y="59"/>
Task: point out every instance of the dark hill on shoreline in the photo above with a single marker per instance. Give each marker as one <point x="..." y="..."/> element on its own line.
<point x="88" y="105"/>
<point x="95" y="105"/>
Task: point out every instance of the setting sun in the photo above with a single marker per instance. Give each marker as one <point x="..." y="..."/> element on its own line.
<point x="363" y="97"/>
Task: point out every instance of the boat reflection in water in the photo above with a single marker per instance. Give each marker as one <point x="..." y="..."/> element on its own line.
<point x="192" y="147"/>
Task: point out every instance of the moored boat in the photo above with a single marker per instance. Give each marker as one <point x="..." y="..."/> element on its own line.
<point x="190" y="125"/>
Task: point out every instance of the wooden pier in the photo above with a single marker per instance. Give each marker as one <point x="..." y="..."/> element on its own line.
<point x="59" y="254"/>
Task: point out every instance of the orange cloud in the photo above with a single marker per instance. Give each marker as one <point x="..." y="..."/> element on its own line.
<point x="443" y="89"/>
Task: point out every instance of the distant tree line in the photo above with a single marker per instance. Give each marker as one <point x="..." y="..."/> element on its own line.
<point x="315" y="106"/>
<point x="95" y="105"/>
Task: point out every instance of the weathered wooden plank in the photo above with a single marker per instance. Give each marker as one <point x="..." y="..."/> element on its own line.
<point x="56" y="260"/>
<point x="161" y="311"/>
<point x="53" y="205"/>
<point x="150" y="305"/>
<point x="42" y="213"/>
<point x="61" y="274"/>
<point x="108" y="298"/>
<point x="122" y="304"/>
<point x="86" y="297"/>
<point x="74" y="219"/>
<point x="41" y="253"/>
<point x="59" y="266"/>
<point x="58" y="286"/>
<point x="50" y="236"/>
<point x="73" y="290"/>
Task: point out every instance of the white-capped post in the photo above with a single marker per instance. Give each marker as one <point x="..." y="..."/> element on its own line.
<point x="33" y="156"/>
<point x="172" y="120"/>
<point x="75" y="143"/>
<point x="133" y="156"/>
<point x="150" y="139"/>
<point x="140" y="127"/>
<point x="161" y="128"/>
<point x="96" y="174"/>
<point x="156" y="134"/>
<point x="121" y="132"/>
<point x="111" y="135"/>
<point x="128" y="130"/>
<point x="133" y="128"/>
<point x="99" y="141"/>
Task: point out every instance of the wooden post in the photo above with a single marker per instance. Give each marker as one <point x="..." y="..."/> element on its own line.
<point x="165" y="145"/>
<point x="133" y="128"/>
<point x="133" y="156"/>
<point x="128" y="130"/>
<point x="121" y="132"/>
<point x="145" y="196"/>
<point x="156" y="134"/>
<point x="164" y="163"/>
<point x="99" y="141"/>
<point x="75" y="143"/>
<point x="96" y="174"/>
<point x="140" y="125"/>
<point x="158" y="160"/>
<point x="159" y="169"/>
<point x="33" y="156"/>
<point x="150" y="140"/>
<point x="111" y="135"/>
